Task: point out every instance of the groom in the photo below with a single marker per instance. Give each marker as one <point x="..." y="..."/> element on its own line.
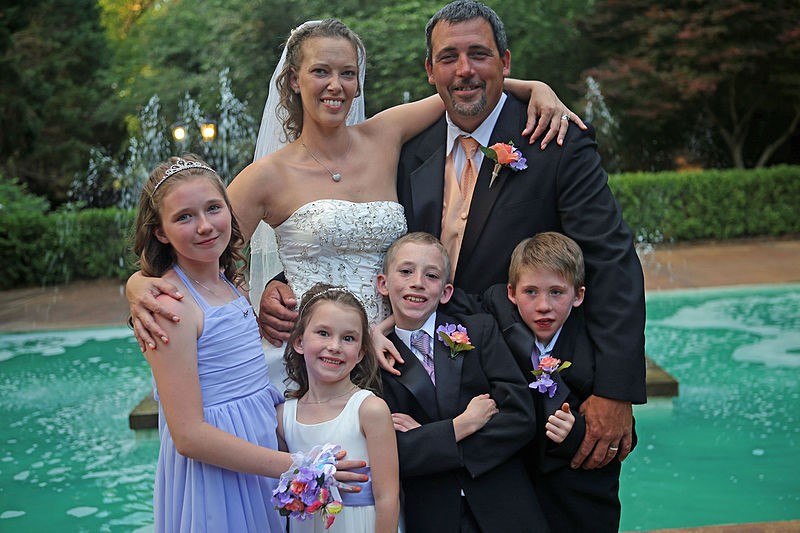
<point x="562" y="189"/>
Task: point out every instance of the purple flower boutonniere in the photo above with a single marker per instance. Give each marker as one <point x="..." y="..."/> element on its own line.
<point x="504" y="155"/>
<point x="455" y="337"/>
<point x="543" y="382"/>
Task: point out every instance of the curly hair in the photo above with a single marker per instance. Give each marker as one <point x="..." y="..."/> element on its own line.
<point x="290" y="101"/>
<point x="366" y="373"/>
<point x="154" y="258"/>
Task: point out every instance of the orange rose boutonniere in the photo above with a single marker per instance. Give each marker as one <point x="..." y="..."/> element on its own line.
<point x="504" y="155"/>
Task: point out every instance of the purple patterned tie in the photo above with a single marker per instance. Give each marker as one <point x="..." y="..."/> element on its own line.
<point x="422" y="342"/>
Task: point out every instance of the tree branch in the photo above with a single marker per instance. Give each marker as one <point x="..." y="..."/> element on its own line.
<point x="770" y="149"/>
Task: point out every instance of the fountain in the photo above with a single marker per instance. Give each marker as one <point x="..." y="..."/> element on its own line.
<point x="108" y="182"/>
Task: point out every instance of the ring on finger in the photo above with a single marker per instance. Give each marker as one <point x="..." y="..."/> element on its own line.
<point x="564" y="117"/>
<point x="613" y="448"/>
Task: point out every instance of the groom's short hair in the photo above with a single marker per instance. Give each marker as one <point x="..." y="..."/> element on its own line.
<point x="462" y="11"/>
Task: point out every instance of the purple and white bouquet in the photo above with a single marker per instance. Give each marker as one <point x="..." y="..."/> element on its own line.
<point x="308" y="487"/>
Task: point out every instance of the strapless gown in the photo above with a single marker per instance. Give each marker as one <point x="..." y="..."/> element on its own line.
<point x="337" y="242"/>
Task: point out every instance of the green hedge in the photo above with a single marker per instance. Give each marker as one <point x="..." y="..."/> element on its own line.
<point x="51" y="248"/>
<point x="54" y="248"/>
<point x="710" y="204"/>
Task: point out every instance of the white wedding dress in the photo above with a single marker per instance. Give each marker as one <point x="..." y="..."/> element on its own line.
<point x="336" y="242"/>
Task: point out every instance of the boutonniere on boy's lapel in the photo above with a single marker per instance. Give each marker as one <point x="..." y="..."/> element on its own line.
<point x="504" y="155"/>
<point x="543" y="382"/>
<point x="455" y="337"/>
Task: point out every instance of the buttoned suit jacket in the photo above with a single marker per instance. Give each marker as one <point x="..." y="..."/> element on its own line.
<point x="564" y="189"/>
<point x="434" y="468"/>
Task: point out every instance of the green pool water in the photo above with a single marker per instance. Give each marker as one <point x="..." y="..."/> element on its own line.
<point x="727" y="450"/>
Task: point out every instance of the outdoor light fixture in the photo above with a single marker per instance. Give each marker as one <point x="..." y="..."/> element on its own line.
<point x="208" y="129"/>
<point x="179" y="131"/>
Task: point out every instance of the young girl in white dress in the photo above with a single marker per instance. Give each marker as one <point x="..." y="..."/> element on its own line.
<point x="333" y="371"/>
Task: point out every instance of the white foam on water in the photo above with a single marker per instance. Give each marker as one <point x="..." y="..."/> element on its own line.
<point x="779" y="351"/>
<point x="778" y="347"/>
<point x="53" y="343"/>
<point x="80" y="512"/>
<point x="714" y="315"/>
<point x="11" y="514"/>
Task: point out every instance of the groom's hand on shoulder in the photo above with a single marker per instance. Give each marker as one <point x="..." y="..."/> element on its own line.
<point x="276" y="314"/>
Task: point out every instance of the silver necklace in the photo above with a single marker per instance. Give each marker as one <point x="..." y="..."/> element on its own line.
<point x="245" y="310"/>
<point x="336" y="177"/>
<point x="348" y="391"/>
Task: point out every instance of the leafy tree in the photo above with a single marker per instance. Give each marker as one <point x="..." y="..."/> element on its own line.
<point x="723" y="70"/>
<point x="51" y="53"/>
<point x="544" y="39"/>
<point x="394" y="36"/>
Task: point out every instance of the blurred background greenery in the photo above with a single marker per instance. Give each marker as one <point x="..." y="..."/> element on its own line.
<point x="670" y="84"/>
<point x="696" y="106"/>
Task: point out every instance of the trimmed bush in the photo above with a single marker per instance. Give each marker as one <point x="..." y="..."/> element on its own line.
<point x="710" y="204"/>
<point x="54" y="248"/>
<point x="42" y="248"/>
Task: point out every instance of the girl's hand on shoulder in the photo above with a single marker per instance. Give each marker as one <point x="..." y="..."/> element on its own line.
<point x="546" y="111"/>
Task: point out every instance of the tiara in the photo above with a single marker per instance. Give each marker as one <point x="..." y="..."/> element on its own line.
<point x="330" y="290"/>
<point x="178" y="166"/>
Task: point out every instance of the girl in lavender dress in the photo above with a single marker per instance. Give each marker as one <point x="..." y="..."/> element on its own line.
<point x="217" y="418"/>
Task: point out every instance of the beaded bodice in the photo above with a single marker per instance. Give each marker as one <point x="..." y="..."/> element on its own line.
<point x="340" y="243"/>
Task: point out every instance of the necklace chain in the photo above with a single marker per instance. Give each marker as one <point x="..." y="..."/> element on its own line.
<point x="337" y="177"/>
<point x="245" y="310"/>
<point x="348" y="391"/>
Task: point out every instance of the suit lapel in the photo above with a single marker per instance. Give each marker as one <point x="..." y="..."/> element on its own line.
<point x="427" y="181"/>
<point x="414" y="378"/>
<point x="448" y="372"/>
<point x="520" y="341"/>
<point x="573" y="345"/>
<point x="507" y="128"/>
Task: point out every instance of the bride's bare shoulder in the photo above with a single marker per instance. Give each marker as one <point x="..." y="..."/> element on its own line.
<point x="267" y="169"/>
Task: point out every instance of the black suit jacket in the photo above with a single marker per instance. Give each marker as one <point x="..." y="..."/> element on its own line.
<point x="563" y="189"/>
<point x="434" y="468"/>
<point x="575" y="383"/>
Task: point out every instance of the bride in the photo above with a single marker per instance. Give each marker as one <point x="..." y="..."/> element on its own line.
<point x="330" y="193"/>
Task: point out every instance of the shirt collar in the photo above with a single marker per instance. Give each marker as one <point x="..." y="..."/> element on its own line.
<point x="482" y="133"/>
<point x="547" y="350"/>
<point x="429" y="327"/>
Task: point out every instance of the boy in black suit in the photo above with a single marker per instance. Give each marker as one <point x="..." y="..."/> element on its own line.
<point x="545" y="289"/>
<point x="461" y="408"/>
